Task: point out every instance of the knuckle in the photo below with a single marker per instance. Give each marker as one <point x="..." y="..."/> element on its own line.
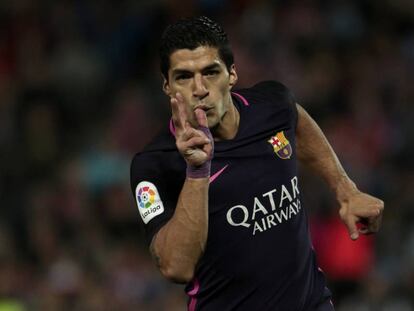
<point x="374" y="211"/>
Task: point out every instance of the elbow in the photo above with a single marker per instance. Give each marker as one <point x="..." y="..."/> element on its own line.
<point x="175" y="274"/>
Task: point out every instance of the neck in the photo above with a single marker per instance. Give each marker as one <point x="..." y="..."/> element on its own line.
<point x="229" y="125"/>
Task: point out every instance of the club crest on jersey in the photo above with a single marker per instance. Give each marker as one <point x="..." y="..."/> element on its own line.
<point x="281" y="145"/>
<point x="148" y="201"/>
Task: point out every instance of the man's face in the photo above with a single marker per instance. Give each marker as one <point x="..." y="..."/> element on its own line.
<point x="201" y="77"/>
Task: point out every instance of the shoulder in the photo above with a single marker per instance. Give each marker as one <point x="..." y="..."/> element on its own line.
<point x="274" y="91"/>
<point x="160" y="144"/>
<point x="269" y="93"/>
<point x="271" y="99"/>
<point x="155" y="158"/>
<point x="164" y="141"/>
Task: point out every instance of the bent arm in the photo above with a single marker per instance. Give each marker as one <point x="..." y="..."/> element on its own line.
<point x="179" y="244"/>
<point x="314" y="150"/>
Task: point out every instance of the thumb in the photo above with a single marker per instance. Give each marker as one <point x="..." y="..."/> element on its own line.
<point x="350" y="223"/>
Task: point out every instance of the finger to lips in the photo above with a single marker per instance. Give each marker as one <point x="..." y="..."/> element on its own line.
<point x="201" y="117"/>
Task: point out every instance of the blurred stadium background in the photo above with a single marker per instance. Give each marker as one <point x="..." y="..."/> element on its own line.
<point x="80" y="93"/>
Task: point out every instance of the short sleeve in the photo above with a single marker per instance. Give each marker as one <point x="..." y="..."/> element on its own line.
<point x="155" y="193"/>
<point x="282" y="95"/>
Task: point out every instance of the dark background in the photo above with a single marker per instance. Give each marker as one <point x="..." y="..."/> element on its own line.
<point x="80" y="93"/>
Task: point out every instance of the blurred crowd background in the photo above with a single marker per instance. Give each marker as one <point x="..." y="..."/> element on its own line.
<point x="80" y="94"/>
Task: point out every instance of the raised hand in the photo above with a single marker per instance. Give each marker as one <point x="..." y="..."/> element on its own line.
<point x="194" y="144"/>
<point x="363" y="209"/>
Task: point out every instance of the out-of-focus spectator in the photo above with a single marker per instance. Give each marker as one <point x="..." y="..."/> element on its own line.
<point x="80" y="93"/>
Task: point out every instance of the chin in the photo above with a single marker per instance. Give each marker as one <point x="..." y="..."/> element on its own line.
<point x="212" y="123"/>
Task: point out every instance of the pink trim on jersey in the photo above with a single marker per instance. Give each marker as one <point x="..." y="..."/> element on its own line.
<point x="172" y="128"/>
<point x="244" y="100"/>
<point x="192" y="293"/>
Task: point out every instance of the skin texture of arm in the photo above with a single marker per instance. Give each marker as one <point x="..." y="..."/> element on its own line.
<point x="179" y="244"/>
<point x="356" y="207"/>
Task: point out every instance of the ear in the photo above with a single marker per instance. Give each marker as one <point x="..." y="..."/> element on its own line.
<point x="232" y="76"/>
<point x="166" y="86"/>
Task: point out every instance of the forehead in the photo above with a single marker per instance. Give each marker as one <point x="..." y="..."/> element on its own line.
<point x="194" y="59"/>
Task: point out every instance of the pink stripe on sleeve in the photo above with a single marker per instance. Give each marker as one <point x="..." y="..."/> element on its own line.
<point x="192" y="294"/>
<point x="172" y="128"/>
<point x="244" y="100"/>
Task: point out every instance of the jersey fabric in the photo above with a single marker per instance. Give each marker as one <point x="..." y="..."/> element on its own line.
<point x="258" y="253"/>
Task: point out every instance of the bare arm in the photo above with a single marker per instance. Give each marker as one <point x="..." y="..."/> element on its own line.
<point x="314" y="151"/>
<point x="178" y="245"/>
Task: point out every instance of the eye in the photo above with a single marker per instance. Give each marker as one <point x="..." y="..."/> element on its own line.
<point x="212" y="72"/>
<point x="183" y="76"/>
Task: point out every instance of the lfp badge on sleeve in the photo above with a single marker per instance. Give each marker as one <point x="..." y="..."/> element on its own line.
<point x="148" y="201"/>
<point x="281" y="145"/>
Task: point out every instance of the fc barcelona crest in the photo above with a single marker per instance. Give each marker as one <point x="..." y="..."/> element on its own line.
<point x="281" y="145"/>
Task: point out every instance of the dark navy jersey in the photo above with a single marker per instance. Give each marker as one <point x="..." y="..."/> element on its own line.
<point x="258" y="254"/>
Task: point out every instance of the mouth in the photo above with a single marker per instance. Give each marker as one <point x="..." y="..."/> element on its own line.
<point x="203" y="107"/>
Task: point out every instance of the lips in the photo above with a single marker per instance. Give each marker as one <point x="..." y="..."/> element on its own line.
<point x="203" y="107"/>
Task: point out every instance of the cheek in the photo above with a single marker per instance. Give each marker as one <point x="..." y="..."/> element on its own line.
<point x="182" y="89"/>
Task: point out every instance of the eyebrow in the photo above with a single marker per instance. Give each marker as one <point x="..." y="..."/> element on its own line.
<point x="211" y="67"/>
<point x="179" y="71"/>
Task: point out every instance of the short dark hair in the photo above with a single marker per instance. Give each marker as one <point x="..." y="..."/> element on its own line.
<point x="191" y="33"/>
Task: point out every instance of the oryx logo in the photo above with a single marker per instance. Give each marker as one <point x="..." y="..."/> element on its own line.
<point x="281" y="145"/>
<point x="148" y="201"/>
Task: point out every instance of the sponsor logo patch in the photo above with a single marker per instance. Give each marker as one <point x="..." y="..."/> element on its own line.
<point x="281" y="145"/>
<point x="148" y="201"/>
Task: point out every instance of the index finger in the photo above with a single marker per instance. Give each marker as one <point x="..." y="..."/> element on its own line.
<point x="350" y="223"/>
<point x="175" y="114"/>
<point x="179" y="116"/>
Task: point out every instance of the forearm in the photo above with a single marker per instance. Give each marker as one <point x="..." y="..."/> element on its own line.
<point x="314" y="150"/>
<point x="179" y="244"/>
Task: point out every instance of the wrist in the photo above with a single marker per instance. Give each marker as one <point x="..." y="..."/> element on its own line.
<point x="203" y="170"/>
<point x="200" y="171"/>
<point x="344" y="189"/>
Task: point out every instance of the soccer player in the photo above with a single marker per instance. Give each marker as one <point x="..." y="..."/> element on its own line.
<point x="218" y="190"/>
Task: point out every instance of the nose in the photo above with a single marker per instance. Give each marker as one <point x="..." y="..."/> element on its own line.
<point x="199" y="89"/>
